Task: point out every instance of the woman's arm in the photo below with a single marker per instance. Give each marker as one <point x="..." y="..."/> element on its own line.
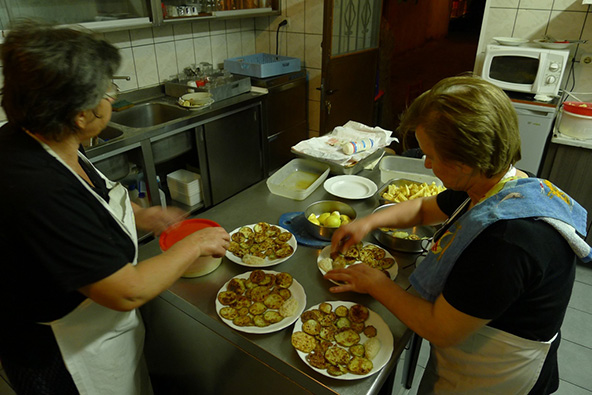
<point x="422" y="211"/>
<point x="133" y="285"/>
<point x="437" y="322"/>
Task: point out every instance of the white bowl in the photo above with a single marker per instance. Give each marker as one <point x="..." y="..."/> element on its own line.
<point x="196" y="101"/>
<point x="511" y="41"/>
<point x="553" y="45"/>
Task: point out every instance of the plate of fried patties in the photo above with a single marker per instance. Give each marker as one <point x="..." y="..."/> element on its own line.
<point x="261" y="245"/>
<point x="260" y="301"/>
<point x="342" y="340"/>
<point x="362" y="252"/>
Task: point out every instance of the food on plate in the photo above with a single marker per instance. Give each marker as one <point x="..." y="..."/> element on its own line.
<point x="338" y="348"/>
<point x="331" y="220"/>
<point x="371" y="347"/>
<point x="369" y="254"/>
<point x="261" y="300"/>
<point x="263" y="241"/>
<point x="411" y="190"/>
<point x="394" y="232"/>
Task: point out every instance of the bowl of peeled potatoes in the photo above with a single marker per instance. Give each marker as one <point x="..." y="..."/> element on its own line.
<point x="325" y="216"/>
<point x="416" y="239"/>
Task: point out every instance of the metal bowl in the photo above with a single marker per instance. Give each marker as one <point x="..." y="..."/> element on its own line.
<point x="388" y="240"/>
<point x="326" y="206"/>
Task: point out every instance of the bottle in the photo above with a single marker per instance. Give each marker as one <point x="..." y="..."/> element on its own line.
<point x="133" y="192"/>
<point x="142" y="200"/>
<point x="352" y="147"/>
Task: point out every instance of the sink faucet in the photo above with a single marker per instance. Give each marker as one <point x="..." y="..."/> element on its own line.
<point x="121" y="77"/>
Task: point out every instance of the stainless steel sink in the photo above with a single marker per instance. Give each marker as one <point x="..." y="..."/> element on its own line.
<point x="108" y="134"/>
<point x="147" y="115"/>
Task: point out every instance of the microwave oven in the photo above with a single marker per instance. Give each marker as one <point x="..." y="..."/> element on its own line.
<point x="525" y="69"/>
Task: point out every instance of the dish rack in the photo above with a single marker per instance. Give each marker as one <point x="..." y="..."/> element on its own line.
<point x="262" y="65"/>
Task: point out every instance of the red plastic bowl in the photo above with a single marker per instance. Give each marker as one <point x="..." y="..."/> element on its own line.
<point x="202" y="265"/>
<point x="576" y="107"/>
<point x="183" y="229"/>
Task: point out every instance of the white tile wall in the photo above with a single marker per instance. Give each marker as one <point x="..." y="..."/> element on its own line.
<point x="533" y="19"/>
<point x="154" y="55"/>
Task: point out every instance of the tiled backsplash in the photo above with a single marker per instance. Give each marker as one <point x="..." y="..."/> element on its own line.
<point x="154" y="55"/>
<point x="533" y="19"/>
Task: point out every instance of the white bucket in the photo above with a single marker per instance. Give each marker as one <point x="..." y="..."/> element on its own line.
<point x="575" y="125"/>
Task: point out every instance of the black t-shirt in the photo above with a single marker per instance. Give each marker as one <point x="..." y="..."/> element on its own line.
<point x="55" y="236"/>
<point x="519" y="274"/>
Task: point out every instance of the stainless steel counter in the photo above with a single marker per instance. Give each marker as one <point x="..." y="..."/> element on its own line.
<point x="194" y="300"/>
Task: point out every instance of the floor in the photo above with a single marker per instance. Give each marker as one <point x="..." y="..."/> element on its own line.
<point x="575" y="351"/>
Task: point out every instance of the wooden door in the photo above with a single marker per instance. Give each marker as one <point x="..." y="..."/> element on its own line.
<point x="350" y="61"/>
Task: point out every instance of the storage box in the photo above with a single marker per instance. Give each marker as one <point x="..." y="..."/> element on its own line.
<point x="188" y="200"/>
<point x="407" y="168"/>
<point x="298" y="178"/>
<point x="262" y="65"/>
<point x="184" y="182"/>
<point x="337" y="169"/>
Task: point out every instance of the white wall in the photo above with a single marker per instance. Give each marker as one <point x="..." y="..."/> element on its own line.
<point x="533" y="19"/>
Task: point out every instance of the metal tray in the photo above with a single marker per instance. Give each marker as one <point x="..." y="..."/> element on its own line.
<point x="337" y="169"/>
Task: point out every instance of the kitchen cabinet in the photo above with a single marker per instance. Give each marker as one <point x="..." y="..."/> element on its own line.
<point x="569" y="167"/>
<point x="96" y="15"/>
<point x="286" y="111"/>
<point x="232" y="148"/>
<point x="103" y="16"/>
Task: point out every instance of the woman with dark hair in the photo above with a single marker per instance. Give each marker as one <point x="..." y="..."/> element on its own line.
<point x="496" y="282"/>
<point x="70" y="283"/>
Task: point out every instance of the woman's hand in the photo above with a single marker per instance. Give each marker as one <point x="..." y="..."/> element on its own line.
<point x="156" y="219"/>
<point x="359" y="278"/>
<point x="347" y="235"/>
<point x="212" y="241"/>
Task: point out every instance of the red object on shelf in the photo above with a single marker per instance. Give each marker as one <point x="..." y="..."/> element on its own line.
<point x="576" y="107"/>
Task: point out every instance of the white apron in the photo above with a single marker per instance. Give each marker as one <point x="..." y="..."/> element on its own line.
<point x="490" y="361"/>
<point x="103" y="348"/>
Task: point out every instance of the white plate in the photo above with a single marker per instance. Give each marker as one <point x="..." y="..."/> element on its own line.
<point x="326" y="253"/>
<point x="511" y="41"/>
<point x="383" y="333"/>
<point x="268" y="262"/>
<point x="350" y="187"/>
<point x="202" y="100"/>
<point x="297" y="293"/>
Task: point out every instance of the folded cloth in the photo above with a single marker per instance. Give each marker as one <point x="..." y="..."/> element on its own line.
<point x="510" y="199"/>
<point x="328" y="147"/>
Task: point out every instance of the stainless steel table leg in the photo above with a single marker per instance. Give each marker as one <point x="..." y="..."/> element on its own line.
<point x="411" y="360"/>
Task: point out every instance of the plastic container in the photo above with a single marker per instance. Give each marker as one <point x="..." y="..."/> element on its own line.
<point x="186" y="199"/>
<point x="576" y="120"/>
<point x="184" y="181"/>
<point x="298" y="178"/>
<point x="407" y="168"/>
<point x="262" y="65"/>
<point x="202" y="265"/>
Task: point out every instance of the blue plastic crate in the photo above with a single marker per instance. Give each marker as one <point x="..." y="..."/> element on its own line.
<point x="262" y="65"/>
